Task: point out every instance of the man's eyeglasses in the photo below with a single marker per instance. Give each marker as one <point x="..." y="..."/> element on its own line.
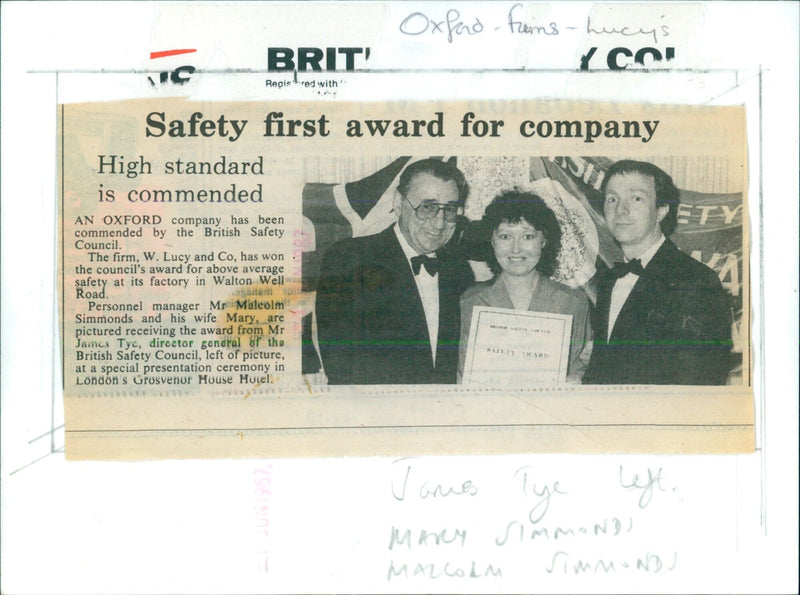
<point x="425" y="211"/>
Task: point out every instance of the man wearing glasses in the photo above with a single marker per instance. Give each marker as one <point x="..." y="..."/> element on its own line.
<point x="387" y="304"/>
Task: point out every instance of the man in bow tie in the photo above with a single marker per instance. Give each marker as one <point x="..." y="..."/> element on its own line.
<point x="387" y="304"/>
<point x="661" y="316"/>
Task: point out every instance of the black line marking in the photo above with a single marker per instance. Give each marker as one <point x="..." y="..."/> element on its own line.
<point x="762" y="308"/>
<point x="31" y="463"/>
<point x="63" y="311"/>
<point x="408" y="71"/>
<point x="50" y="433"/>
<point x="400" y="427"/>
<point x="736" y="85"/>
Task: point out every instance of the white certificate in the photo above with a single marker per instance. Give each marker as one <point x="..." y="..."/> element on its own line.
<point x="517" y="348"/>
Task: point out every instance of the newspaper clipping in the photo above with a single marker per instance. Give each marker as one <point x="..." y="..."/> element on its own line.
<point x="299" y="278"/>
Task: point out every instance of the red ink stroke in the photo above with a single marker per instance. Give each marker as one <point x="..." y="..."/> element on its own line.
<point x="165" y="53"/>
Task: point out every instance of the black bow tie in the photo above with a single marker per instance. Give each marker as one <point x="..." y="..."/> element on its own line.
<point x="623" y="268"/>
<point x="431" y="264"/>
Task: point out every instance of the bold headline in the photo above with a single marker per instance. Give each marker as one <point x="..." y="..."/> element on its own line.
<point x="279" y="125"/>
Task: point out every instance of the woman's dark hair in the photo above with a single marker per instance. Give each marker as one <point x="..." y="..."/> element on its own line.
<point x="512" y="206"/>
<point x="667" y="194"/>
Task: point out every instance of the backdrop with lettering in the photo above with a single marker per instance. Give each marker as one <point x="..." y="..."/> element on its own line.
<point x="709" y="224"/>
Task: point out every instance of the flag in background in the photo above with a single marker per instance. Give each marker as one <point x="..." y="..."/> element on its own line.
<point x="333" y="212"/>
<point x="709" y="224"/>
<point x="337" y="211"/>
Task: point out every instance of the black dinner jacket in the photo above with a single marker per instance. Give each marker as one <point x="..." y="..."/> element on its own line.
<point x="674" y="328"/>
<point x="370" y="321"/>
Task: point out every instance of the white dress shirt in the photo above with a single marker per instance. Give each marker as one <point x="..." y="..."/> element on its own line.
<point x="624" y="285"/>
<point x="428" y="288"/>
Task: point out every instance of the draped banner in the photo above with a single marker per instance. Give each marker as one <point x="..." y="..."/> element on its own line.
<point x="333" y="212"/>
<point x="709" y="228"/>
<point x="709" y="225"/>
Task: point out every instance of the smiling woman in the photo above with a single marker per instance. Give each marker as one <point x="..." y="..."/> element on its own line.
<point x="526" y="239"/>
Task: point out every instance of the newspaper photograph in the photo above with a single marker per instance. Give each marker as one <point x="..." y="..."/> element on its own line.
<point x="399" y="297"/>
<point x="293" y="270"/>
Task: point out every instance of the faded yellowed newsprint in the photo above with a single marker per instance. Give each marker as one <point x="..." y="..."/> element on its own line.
<point x="194" y="238"/>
